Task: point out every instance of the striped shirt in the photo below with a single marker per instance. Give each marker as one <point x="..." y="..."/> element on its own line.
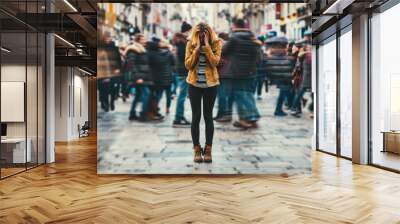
<point x="201" y="71"/>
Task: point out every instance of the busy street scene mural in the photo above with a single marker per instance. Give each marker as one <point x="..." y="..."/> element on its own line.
<point x="204" y="88"/>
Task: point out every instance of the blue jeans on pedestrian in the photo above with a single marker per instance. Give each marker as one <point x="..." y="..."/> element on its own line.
<point x="137" y="92"/>
<point x="243" y="91"/>
<point x="290" y="96"/>
<point x="297" y="99"/>
<point x="175" y="81"/>
<point x="259" y="84"/>
<point x="142" y="95"/>
<point x="180" y="103"/>
<point x="159" y="92"/>
<point x="284" y="91"/>
<point x="225" y="98"/>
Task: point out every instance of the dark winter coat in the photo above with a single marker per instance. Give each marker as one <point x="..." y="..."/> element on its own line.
<point x="137" y="65"/>
<point x="180" y="40"/>
<point x="161" y="62"/>
<point x="304" y="63"/>
<point x="262" y="66"/>
<point x="280" y="66"/>
<point x="109" y="60"/>
<point x="223" y="66"/>
<point x="242" y="51"/>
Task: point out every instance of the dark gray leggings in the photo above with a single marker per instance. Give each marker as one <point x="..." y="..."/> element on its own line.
<point x="208" y="95"/>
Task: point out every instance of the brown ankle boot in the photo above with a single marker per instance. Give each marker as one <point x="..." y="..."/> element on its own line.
<point x="197" y="154"/>
<point x="207" y="154"/>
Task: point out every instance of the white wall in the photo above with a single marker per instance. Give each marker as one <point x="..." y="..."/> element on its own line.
<point x="16" y="73"/>
<point x="61" y="103"/>
<point x="71" y="102"/>
<point x="12" y="73"/>
<point x="80" y="103"/>
<point x="33" y="126"/>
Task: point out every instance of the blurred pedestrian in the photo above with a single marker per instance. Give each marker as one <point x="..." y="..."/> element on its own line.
<point x="280" y="67"/>
<point x="293" y="50"/>
<point x="203" y="53"/>
<point x="180" y="40"/>
<point x="261" y="69"/>
<point x="243" y="53"/>
<point x="225" y="93"/>
<point x="141" y="77"/>
<point x="175" y="76"/>
<point x="109" y="72"/>
<point x="302" y="78"/>
<point x="125" y="81"/>
<point x="161" y="62"/>
<point x="308" y="41"/>
<point x="124" y="86"/>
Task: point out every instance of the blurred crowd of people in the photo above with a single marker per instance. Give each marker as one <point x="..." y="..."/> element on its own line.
<point x="147" y="69"/>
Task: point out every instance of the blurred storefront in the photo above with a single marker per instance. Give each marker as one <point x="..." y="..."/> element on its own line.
<point x="290" y="19"/>
<point x="164" y="19"/>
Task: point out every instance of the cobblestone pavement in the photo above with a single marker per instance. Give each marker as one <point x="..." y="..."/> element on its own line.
<point x="279" y="146"/>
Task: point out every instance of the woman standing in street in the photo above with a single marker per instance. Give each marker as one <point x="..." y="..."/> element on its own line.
<point x="203" y="52"/>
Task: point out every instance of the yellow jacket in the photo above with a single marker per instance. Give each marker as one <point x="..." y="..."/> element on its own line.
<point x="213" y="54"/>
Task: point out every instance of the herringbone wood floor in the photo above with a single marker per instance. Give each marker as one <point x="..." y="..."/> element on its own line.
<point x="69" y="191"/>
